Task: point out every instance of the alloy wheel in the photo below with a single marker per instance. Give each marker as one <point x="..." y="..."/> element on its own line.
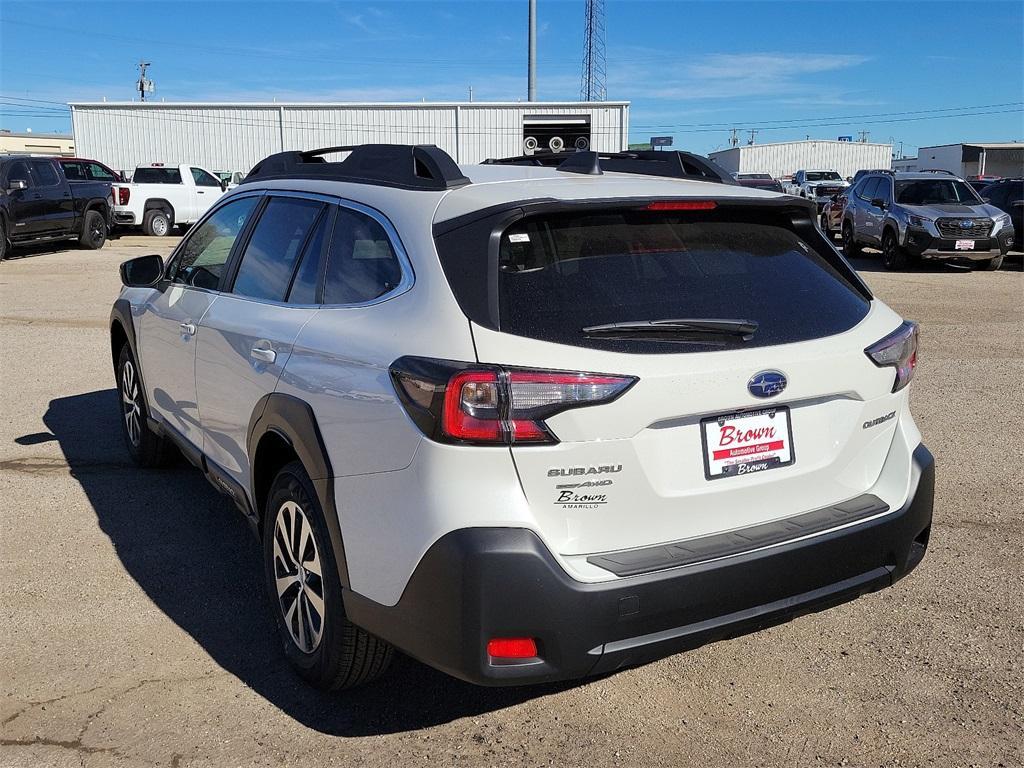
<point x="298" y="577"/>
<point x="130" y="403"/>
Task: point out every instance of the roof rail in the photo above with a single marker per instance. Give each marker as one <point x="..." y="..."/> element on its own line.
<point x="674" y="164"/>
<point x="406" y="166"/>
<point x="936" y="170"/>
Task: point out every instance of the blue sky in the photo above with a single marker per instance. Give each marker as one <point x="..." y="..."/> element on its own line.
<point x="690" y="69"/>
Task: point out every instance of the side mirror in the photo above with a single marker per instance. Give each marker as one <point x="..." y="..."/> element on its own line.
<point x="878" y="203"/>
<point x="17" y="184"/>
<point x="142" y="271"/>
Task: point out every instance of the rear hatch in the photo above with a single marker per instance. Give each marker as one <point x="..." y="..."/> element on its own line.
<point x="748" y="407"/>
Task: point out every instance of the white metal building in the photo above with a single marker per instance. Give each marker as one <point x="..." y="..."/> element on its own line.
<point x="235" y="136"/>
<point x="788" y="157"/>
<point x="979" y="159"/>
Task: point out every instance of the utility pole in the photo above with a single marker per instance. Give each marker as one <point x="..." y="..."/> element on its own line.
<point x="864" y="136"/>
<point x="531" y="71"/>
<point x="144" y="85"/>
<point x="753" y="133"/>
<point x="593" y="86"/>
<point x="734" y="140"/>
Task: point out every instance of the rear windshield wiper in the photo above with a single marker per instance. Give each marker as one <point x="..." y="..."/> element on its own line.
<point x="743" y="329"/>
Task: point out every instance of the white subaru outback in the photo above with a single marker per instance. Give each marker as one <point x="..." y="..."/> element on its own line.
<point x="529" y="420"/>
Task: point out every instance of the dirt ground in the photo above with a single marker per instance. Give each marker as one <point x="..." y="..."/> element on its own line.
<point x="134" y="630"/>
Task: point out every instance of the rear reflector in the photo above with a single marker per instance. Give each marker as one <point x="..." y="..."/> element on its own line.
<point x="512" y="648"/>
<point x="682" y="205"/>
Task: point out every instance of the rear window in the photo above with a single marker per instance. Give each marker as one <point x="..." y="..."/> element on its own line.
<point x="560" y="273"/>
<point x="157" y="176"/>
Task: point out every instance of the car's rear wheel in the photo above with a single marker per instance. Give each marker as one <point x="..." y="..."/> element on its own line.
<point x="990" y="265"/>
<point x="147" y="449"/>
<point x="893" y="256"/>
<point x="156" y="223"/>
<point x="850" y="246"/>
<point x="94" y="231"/>
<point x="302" y="580"/>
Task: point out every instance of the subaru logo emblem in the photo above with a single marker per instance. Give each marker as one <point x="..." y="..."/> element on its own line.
<point x="766" y="383"/>
<point x="966" y="224"/>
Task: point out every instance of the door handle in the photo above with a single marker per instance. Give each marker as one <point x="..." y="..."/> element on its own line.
<point x="188" y="329"/>
<point x="200" y="191"/>
<point x="263" y="355"/>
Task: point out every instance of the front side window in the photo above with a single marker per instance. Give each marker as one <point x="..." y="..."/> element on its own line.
<point x="204" y="179"/>
<point x="97" y="172"/>
<point x="204" y="254"/>
<point x="270" y="257"/>
<point x="46" y="175"/>
<point x="361" y="264"/>
<point x="868" y="188"/>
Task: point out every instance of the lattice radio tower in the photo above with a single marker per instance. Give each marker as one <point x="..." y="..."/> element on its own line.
<point x="595" y="75"/>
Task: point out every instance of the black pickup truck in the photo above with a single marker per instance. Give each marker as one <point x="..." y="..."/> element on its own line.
<point x="38" y="203"/>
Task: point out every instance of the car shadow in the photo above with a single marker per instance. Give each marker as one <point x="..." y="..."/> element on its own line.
<point x="196" y="558"/>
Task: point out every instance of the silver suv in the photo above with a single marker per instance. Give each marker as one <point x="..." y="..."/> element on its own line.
<point x="931" y="215"/>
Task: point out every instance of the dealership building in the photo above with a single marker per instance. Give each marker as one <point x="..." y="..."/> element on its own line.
<point x="787" y="157"/>
<point x="235" y="136"/>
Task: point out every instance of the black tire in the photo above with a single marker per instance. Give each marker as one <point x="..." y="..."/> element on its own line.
<point x="156" y="223"/>
<point x="851" y="248"/>
<point x="893" y="256"/>
<point x="3" y="241"/>
<point x="989" y="265"/>
<point x="94" y="231"/>
<point x="147" y="449"/>
<point x="343" y="655"/>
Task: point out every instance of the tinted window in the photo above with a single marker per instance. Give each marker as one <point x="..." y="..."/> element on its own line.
<point x="204" y="179"/>
<point x="273" y="249"/>
<point x="361" y="265"/>
<point x="45" y="173"/>
<point x="561" y="273"/>
<point x="868" y="188"/>
<point x="157" y="176"/>
<point x="19" y="172"/>
<point x="823" y="176"/>
<point x="935" y="192"/>
<point x="884" y="189"/>
<point x="74" y="171"/>
<point x="303" y="289"/>
<point x="98" y="173"/>
<point x="202" y="258"/>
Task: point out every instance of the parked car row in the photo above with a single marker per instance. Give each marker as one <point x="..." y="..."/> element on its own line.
<point x="930" y="215"/>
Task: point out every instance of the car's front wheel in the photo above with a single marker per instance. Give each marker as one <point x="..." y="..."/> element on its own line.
<point x="302" y="580"/>
<point x="147" y="449"/>
<point x="893" y="256"/>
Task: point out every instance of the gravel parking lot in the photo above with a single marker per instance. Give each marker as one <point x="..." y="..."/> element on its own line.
<point x="134" y="630"/>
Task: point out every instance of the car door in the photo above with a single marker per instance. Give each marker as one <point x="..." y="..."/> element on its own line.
<point x="874" y="215"/>
<point x="246" y="338"/>
<point x="207" y="191"/>
<point x="23" y="203"/>
<point x="53" y="196"/>
<point x="864" y="213"/>
<point x="170" y="317"/>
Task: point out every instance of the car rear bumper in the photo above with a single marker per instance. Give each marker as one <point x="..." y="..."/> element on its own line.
<point x="475" y="584"/>
<point x="921" y="243"/>
<point x="125" y="218"/>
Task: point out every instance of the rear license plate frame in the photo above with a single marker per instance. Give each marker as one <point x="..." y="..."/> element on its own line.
<point x="733" y="469"/>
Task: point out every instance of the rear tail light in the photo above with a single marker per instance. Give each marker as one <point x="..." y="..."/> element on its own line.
<point x="123" y="195"/>
<point x="489" y="405"/>
<point x="898" y="350"/>
<point x="512" y="648"/>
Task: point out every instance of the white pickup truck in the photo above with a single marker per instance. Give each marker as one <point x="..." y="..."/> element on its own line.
<point x="815" y="185"/>
<point x="160" y="196"/>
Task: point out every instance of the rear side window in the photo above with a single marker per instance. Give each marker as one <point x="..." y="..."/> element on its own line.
<point x="157" y="176"/>
<point x="46" y="175"/>
<point x="361" y="265"/>
<point x="561" y="273"/>
<point x="74" y="171"/>
<point x="273" y="250"/>
<point x="303" y="290"/>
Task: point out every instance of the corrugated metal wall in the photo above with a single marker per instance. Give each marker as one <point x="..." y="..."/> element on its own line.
<point x="236" y="137"/>
<point x="787" y="158"/>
